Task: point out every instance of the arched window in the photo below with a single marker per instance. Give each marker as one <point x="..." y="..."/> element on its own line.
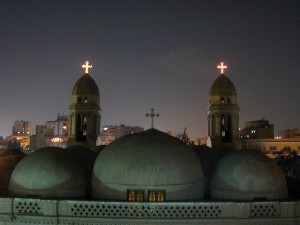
<point x="79" y="99"/>
<point x="131" y="196"/>
<point x="85" y="100"/>
<point x="160" y="196"/>
<point x="222" y="100"/>
<point x="152" y="196"/>
<point x="228" y="100"/>
<point x="140" y="196"/>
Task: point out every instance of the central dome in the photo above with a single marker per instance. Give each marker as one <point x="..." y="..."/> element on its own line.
<point x="146" y="161"/>
<point x="85" y="85"/>
<point x="223" y="86"/>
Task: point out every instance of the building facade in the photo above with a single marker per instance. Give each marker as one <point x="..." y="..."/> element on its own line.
<point x="113" y="132"/>
<point x="60" y="126"/>
<point x="257" y="129"/>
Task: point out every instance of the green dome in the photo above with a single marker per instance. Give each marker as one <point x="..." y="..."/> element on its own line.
<point x="145" y="161"/>
<point x="247" y="175"/>
<point x="222" y="86"/>
<point x="48" y="173"/>
<point x="85" y="85"/>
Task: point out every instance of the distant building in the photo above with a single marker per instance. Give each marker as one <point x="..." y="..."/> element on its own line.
<point x="42" y="137"/>
<point x="22" y="128"/>
<point x="113" y="132"/>
<point x="292" y="133"/>
<point x="60" y="126"/>
<point x="22" y="141"/>
<point x="272" y="145"/>
<point x="257" y="129"/>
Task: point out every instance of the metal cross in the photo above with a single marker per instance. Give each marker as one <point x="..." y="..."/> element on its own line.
<point x="87" y="66"/>
<point x="222" y="67"/>
<point x="152" y="115"/>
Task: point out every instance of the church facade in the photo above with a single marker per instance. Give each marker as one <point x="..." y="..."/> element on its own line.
<point x="143" y="178"/>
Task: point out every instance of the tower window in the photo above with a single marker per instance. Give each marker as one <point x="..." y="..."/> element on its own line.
<point x="222" y="100"/>
<point x="79" y="100"/>
<point x="85" y="100"/>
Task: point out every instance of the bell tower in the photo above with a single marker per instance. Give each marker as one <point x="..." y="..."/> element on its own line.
<point x="85" y="111"/>
<point x="223" y="112"/>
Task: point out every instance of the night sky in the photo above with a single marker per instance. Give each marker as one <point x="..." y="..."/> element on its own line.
<point x="160" y="54"/>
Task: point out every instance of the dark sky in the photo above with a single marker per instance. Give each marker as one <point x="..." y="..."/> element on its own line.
<point x="160" y="54"/>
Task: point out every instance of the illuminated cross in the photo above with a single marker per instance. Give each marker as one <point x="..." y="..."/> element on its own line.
<point x="87" y="66"/>
<point x="222" y="67"/>
<point x="152" y="115"/>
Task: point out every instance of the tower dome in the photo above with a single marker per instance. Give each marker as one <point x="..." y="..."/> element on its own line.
<point x="48" y="173"/>
<point x="222" y="86"/>
<point x="247" y="175"/>
<point x="85" y="85"/>
<point x="148" y="162"/>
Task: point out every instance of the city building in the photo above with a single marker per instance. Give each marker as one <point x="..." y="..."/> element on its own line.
<point x="22" y="140"/>
<point x="22" y="128"/>
<point x="292" y="133"/>
<point x="223" y="112"/>
<point x="60" y="126"/>
<point x="257" y="129"/>
<point x="274" y="145"/>
<point x="85" y="111"/>
<point x="42" y="137"/>
<point x="113" y="132"/>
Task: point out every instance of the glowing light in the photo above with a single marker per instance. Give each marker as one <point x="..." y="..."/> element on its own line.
<point x="86" y="66"/>
<point x="222" y="67"/>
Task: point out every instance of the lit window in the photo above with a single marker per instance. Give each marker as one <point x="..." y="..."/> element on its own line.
<point x="85" y="100"/>
<point x="156" y="196"/>
<point x="160" y="196"/>
<point x="152" y="196"/>
<point x="131" y="196"/>
<point x="135" y="195"/>
<point x="140" y="196"/>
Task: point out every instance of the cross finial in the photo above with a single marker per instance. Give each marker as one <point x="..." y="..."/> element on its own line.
<point x="152" y="115"/>
<point x="86" y="66"/>
<point x="222" y="67"/>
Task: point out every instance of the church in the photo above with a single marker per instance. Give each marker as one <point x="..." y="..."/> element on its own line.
<point x="145" y="178"/>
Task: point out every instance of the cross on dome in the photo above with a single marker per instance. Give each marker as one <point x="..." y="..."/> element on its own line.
<point x="222" y="67"/>
<point x="152" y="115"/>
<point x="86" y="66"/>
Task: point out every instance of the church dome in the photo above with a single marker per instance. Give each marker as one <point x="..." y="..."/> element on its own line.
<point x="85" y="85"/>
<point x="48" y="173"/>
<point x="150" y="160"/>
<point x="222" y="86"/>
<point x="8" y="160"/>
<point x="248" y="175"/>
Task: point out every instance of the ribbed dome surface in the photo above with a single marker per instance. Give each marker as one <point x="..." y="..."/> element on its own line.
<point x="85" y="85"/>
<point x="148" y="160"/>
<point x="248" y="175"/>
<point x="222" y="86"/>
<point x="49" y="173"/>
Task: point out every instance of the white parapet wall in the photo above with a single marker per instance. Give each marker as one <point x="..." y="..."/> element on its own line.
<point x="21" y="211"/>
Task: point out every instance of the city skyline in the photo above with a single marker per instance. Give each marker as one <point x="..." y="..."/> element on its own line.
<point x="150" y="54"/>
